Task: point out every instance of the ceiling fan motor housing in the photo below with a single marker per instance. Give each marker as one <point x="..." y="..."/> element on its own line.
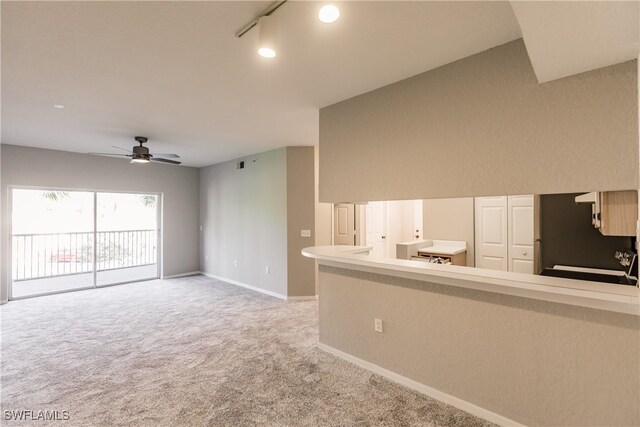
<point x="140" y="151"/>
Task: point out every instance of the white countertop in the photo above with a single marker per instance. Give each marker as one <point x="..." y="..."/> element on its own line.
<point x="589" y="270"/>
<point x="618" y="298"/>
<point x="442" y="250"/>
<point x="436" y="247"/>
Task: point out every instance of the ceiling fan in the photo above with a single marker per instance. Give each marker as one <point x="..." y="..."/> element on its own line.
<point x="141" y="154"/>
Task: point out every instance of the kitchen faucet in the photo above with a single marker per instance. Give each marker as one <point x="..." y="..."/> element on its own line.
<point x="627" y="258"/>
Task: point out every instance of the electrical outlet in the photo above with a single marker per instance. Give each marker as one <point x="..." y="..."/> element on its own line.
<point x="266" y="269"/>
<point x="378" y="325"/>
<point x="235" y="263"/>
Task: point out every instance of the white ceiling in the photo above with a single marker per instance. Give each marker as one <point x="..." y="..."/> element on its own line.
<point x="176" y="73"/>
<point x="569" y="37"/>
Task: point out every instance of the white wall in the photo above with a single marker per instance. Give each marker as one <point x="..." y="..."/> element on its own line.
<point x="24" y="166"/>
<point x="399" y="224"/>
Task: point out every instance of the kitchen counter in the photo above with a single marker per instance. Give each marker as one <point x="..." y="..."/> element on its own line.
<point x="623" y="299"/>
<point x="453" y="250"/>
<point x="442" y="250"/>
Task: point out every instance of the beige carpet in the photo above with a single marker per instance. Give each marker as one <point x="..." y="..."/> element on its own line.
<point x="191" y="351"/>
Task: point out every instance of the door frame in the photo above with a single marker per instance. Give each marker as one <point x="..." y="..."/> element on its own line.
<point x="9" y="246"/>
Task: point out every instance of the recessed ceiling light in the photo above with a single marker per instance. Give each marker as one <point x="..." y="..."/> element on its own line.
<point x="58" y="106"/>
<point x="267" y="52"/>
<point x="328" y="14"/>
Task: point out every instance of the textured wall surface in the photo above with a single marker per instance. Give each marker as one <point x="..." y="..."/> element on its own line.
<point x="301" y="209"/>
<point x="254" y="216"/>
<point x="483" y="126"/>
<point x="23" y="166"/>
<point x="244" y="217"/>
<point x="324" y="216"/>
<point x="535" y="362"/>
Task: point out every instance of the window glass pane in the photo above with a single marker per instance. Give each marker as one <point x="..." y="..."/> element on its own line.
<point x="127" y="237"/>
<point x="52" y="241"/>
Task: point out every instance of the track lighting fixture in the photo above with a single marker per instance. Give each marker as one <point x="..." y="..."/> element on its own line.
<point x="266" y="37"/>
<point x="267" y="30"/>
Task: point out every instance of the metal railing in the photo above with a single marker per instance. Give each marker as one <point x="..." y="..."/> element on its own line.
<point x="37" y="256"/>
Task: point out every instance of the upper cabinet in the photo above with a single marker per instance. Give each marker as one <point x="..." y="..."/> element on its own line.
<point x="615" y="213"/>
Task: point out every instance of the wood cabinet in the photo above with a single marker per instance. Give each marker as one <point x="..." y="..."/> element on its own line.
<point x="616" y="213"/>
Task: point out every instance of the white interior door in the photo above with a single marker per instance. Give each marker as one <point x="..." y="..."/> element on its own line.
<point x="491" y="233"/>
<point x="521" y="234"/>
<point x="417" y="219"/>
<point x="376" y="228"/>
<point x="344" y="224"/>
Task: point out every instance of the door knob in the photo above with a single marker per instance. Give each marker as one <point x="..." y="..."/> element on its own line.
<point x="524" y="252"/>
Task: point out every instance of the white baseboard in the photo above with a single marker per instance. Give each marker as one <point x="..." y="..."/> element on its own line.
<point x="307" y="298"/>
<point x="424" y="389"/>
<point x="174" y="276"/>
<point x="244" y="285"/>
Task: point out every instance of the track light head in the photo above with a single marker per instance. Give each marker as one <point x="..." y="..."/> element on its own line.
<point x="266" y="37"/>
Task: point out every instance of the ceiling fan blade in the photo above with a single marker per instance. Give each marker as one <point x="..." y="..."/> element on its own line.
<point x="110" y="154"/>
<point x="158" y="159"/>
<point x="128" y="151"/>
<point x="169" y="156"/>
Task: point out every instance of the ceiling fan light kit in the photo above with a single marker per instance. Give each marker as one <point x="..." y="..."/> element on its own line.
<point x="141" y="154"/>
<point x="139" y="159"/>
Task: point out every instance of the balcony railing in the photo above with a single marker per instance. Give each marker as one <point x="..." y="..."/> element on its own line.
<point x="37" y="256"/>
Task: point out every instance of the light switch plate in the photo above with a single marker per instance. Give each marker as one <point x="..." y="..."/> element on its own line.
<point x="305" y="233"/>
<point x="377" y="325"/>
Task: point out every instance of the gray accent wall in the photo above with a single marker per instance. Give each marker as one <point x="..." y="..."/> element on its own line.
<point x="253" y="216"/>
<point x="483" y="126"/>
<point x="300" y="216"/>
<point x="324" y="217"/>
<point x="535" y="362"/>
<point x="36" y="167"/>
<point x="478" y="127"/>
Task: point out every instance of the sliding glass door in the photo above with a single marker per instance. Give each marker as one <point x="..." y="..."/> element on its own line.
<point x="52" y="241"/>
<point x="70" y="240"/>
<point x="127" y="240"/>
